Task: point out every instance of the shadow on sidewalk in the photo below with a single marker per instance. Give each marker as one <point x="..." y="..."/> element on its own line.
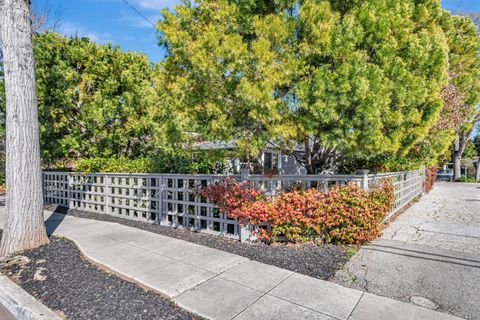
<point x="55" y="219"/>
<point x="425" y="255"/>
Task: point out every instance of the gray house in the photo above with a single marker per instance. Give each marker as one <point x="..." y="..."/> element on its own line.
<point x="268" y="160"/>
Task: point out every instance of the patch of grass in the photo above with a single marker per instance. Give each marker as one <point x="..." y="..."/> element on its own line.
<point x="351" y="251"/>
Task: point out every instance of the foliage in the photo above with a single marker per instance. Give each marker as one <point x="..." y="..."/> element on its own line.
<point x="476" y="141"/>
<point x="140" y="165"/>
<point x="94" y="100"/>
<point x="466" y="179"/>
<point x="298" y="71"/>
<point x="161" y="162"/>
<point x="430" y="178"/>
<point x="238" y="200"/>
<point x="470" y="152"/>
<point x="461" y="95"/>
<point x="380" y="164"/>
<point x="215" y="80"/>
<point x="343" y="214"/>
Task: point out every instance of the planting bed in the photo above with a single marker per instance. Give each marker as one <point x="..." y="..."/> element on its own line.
<point x="319" y="261"/>
<point x="60" y="278"/>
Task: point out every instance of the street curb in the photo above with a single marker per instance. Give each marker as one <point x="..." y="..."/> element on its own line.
<point x="21" y="304"/>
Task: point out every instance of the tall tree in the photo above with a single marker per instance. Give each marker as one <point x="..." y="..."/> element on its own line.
<point x="221" y="79"/>
<point x="94" y="100"/>
<point x="24" y="228"/>
<point x="367" y="86"/>
<point x="476" y="142"/>
<point x="464" y="57"/>
<point x="324" y="74"/>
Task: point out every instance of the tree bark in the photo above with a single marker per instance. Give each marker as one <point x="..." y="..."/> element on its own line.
<point x="459" y="148"/>
<point x="477" y="173"/>
<point x="308" y="159"/>
<point x="24" y="227"/>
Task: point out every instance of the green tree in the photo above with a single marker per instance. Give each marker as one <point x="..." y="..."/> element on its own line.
<point x="352" y="79"/>
<point x="470" y="152"/>
<point x="373" y="87"/>
<point x="464" y="57"/>
<point x="476" y="142"/>
<point x="94" y="100"/>
<point x="460" y="96"/>
<point x="219" y="77"/>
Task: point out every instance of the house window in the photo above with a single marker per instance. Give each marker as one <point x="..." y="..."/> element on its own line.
<point x="267" y="160"/>
<point x="270" y="161"/>
<point x="274" y="161"/>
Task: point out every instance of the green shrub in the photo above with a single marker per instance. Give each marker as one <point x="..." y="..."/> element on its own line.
<point x="164" y="162"/>
<point x="141" y="165"/>
<point x="466" y="179"/>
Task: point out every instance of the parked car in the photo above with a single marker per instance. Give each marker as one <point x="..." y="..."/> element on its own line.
<point x="445" y="174"/>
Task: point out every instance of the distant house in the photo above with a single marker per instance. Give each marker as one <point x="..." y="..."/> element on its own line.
<point x="269" y="160"/>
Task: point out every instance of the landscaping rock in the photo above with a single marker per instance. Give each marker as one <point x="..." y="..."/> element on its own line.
<point x="40" y="275"/>
<point x="319" y="261"/>
<point x="70" y="285"/>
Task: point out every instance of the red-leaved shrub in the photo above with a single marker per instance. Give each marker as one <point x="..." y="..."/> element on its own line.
<point x="343" y="214"/>
<point x="431" y="176"/>
<point x="237" y="200"/>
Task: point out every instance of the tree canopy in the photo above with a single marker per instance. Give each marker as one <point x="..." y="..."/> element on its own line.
<point x="94" y="100"/>
<point x="359" y="79"/>
<point x="462" y="93"/>
<point x="352" y="83"/>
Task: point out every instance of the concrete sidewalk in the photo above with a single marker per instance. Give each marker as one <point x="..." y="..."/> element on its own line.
<point x="431" y="254"/>
<point x="220" y="285"/>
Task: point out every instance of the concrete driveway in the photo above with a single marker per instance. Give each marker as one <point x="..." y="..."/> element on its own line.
<point x="429" y="256"/>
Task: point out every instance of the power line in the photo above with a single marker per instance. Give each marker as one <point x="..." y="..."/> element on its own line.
<point x="138" y="12"/>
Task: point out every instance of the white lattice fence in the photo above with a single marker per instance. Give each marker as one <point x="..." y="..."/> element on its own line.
<point x="184" y="207"/>
<point x="407" y="186"/>
<point x="173" y="199"/>
<point x="281" y="183"/>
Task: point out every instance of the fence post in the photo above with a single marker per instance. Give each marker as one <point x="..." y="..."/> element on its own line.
<point x="106" y="193"/>
<point x="244" y="231"/>
<point x="424" y="178"/>
<point x="244" y="174"/>
<point x="69" y="190"/>
<point x="364" y="174"/>
<point x="159" y="193"/>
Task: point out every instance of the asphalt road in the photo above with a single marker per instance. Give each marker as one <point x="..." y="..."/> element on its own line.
<point x="430" y="255"/>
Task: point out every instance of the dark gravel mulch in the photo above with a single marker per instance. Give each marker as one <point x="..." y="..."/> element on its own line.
<point x="308" y="259"/>
<point x="57" y="275"/>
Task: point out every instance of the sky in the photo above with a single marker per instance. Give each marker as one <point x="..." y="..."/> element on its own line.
<point x="114" y="21"/>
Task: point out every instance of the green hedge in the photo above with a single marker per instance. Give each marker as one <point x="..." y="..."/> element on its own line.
<point x="188" y="163"/>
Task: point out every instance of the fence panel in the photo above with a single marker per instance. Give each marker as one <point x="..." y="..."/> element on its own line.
<point x="56" y="188"/>
<point x="281" y="183"/>
<point x="184" y="207"/>
<point x="173" y="199"/>
<point x="407" y="186"/>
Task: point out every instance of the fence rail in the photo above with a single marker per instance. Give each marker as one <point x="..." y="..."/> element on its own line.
<point x="173" y="199"/>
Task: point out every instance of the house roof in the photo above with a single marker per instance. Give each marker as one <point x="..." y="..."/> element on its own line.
<point x="232" y="144"/>
<point x="215" y="145"/>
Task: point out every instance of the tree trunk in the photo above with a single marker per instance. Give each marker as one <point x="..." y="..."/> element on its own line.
<point x="24" y="228"/>
<point x="459" y="148"/>
<point x="457" y="166"/>
<point x="308" y="159"/>
<point x="477" y="173"/>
